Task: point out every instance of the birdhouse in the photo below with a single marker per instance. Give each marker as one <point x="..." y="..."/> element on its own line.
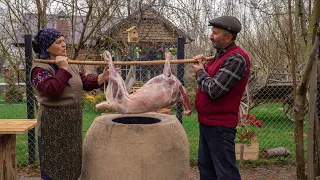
<point x="133" y="34"/>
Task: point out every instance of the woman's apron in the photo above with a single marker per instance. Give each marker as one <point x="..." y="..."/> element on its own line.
<point x="61" y="141"/>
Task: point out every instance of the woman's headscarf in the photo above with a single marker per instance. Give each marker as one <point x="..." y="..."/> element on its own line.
<point x="43" y="40"/>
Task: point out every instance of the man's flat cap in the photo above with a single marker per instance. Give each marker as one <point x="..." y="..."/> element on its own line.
<point x="228" y="23"/>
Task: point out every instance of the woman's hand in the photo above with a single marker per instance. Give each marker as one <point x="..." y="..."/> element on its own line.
<point x="103" y="77"/>
<point x="62" y="62"/>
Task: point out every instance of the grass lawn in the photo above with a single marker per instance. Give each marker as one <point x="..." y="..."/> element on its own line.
<point x="277" y="130"/>
<point x="191" y="126"/>
<point x="1" y="80"/>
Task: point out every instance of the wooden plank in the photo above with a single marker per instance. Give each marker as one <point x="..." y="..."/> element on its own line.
<point x="14" y="126"/>
<point x="8" y="164"/>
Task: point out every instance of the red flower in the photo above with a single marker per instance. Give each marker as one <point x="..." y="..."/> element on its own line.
<point x="248" y="134"/>
<point x="247" y="128"/>
<point x="247" y="121"/>
<point x="259" y="123"/>
<point x="251" y="122"/>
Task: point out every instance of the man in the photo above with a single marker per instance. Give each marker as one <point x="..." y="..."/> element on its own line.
<point x="221" y="82"/>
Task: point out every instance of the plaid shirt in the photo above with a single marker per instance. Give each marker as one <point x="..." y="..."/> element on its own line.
<point x="231" y="72"/>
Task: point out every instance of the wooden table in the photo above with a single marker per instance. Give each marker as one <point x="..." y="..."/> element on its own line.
<point x="8" y="130"/>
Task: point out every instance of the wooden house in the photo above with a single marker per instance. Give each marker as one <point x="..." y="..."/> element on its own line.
<point x="156" y="33"/>
<point x="153" y="28"/>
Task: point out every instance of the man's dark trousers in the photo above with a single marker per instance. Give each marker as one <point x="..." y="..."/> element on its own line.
<point x="216" y="156"/>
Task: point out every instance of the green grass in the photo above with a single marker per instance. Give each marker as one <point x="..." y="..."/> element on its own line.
<point x="88" y="118"/>
<point x="1" y="80"/>
<point x="13" y="111"/>
<point x="190" y="124"/>
<point x="277" y="130"/>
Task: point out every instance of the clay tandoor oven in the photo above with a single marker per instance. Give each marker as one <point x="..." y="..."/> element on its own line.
<point x="136" y="147"/>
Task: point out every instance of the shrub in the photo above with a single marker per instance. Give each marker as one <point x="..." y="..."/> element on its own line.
<point x="89" y="101"/>
<point x="12" y="94"/>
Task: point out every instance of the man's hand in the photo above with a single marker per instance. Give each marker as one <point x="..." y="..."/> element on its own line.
<point x="199" y="65"/>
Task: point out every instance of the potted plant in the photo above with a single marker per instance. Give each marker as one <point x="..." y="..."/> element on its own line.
<point x="247" y="146"/>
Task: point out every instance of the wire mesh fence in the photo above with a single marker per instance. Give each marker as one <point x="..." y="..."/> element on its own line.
<point x="268" y="97"/>
<point x="271" y="103"/>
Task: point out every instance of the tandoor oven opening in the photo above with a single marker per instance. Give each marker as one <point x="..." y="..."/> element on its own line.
<point x="136" y="120"/>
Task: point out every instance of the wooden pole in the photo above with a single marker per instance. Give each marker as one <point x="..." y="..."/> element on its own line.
<point x="180" y="74"/>
<point x="30" y="99"/>
<point x="311" y="123"/>
<point x="130" y="63"/>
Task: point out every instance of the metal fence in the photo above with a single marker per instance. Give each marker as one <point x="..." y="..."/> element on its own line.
<point x="270" y="103"/>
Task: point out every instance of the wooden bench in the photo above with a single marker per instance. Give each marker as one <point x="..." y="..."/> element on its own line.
<point x="8" y="130"/>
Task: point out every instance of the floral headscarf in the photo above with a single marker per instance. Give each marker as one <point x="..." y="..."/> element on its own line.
<point x="43" y="40"/>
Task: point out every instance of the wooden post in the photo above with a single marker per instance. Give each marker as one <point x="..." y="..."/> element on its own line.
<point x="8" y="164"/>
<point x="311" y="123"/>
<point x="30" y="99"/>
<point x="180" y="74"/>
<point x="317" y="123"/>
<point x="317" y="143"/>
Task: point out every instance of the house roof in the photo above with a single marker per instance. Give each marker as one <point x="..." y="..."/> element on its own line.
<point x="132" y="28"/>
<point x="133" y="20"/>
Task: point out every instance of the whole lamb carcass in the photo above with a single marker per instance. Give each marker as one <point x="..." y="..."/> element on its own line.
<point x="161" y="91"/>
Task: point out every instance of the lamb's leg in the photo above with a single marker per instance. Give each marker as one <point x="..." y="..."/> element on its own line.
<point x="105" y="105"/>
<point x="167" y="68"/>
<point x="184" y="97"/>
<point x="116" y="86"/>
<point x="131" y="78"/>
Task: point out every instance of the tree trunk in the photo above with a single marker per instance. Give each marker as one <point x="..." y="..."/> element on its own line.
<point x="299" y="112"/>
<point x="292" y="56"/>
<point x="41" y="13"/>
<point x="298" y="133"/>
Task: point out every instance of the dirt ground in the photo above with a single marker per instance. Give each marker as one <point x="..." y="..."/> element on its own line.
<point x="286" y="172"/>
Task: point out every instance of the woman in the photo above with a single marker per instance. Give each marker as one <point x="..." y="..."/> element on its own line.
<point x="59" y="90"/>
